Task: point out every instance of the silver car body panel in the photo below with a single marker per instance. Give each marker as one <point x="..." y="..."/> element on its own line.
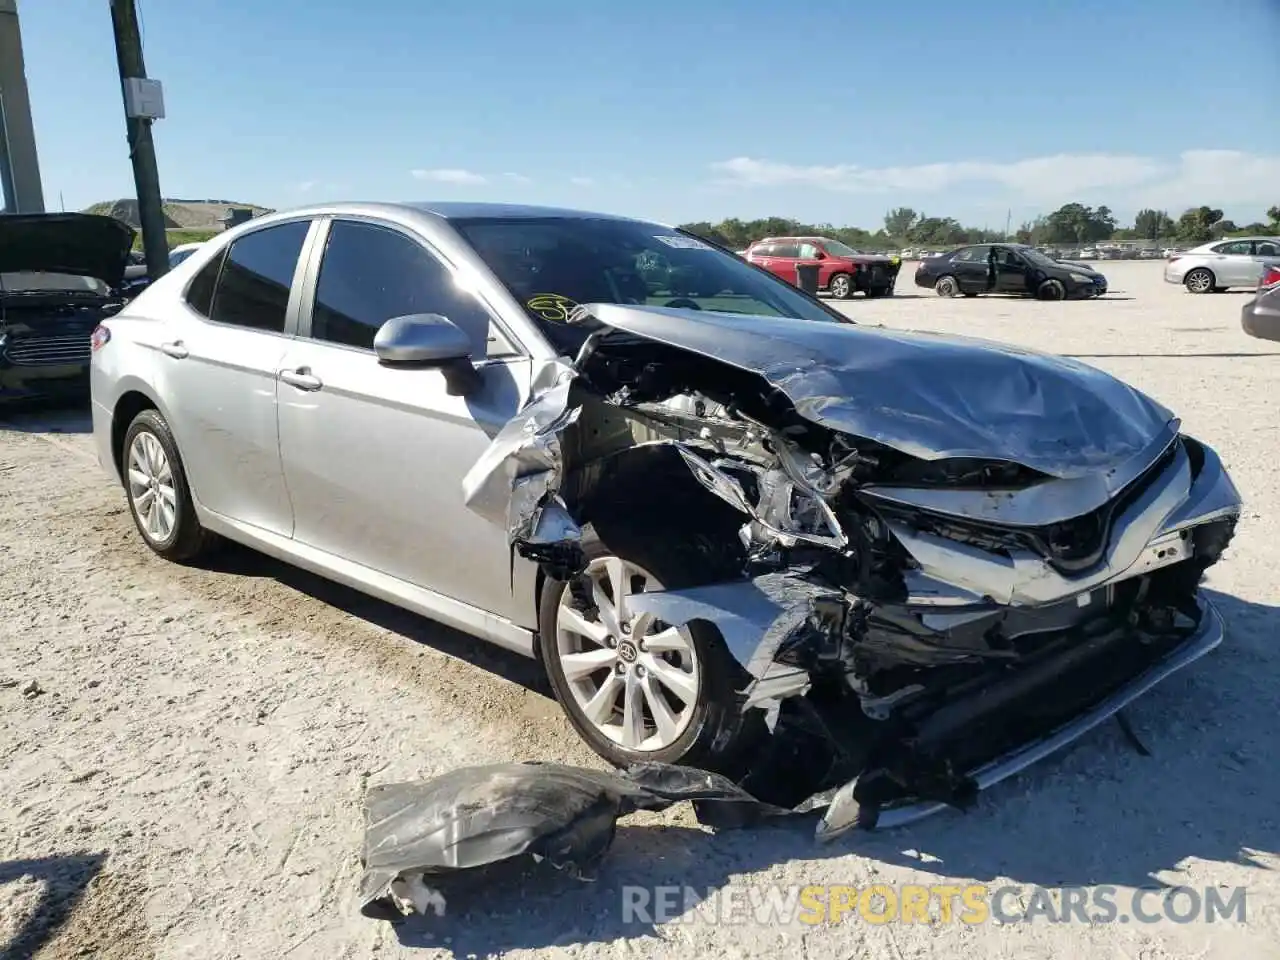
<point x="927" y="395"/>
<point x="1050" y="502"/>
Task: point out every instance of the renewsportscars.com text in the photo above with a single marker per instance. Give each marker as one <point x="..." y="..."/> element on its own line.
<point x="938" y="903"/>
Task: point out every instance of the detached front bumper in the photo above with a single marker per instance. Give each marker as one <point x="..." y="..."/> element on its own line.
<point x="841" y="817"/>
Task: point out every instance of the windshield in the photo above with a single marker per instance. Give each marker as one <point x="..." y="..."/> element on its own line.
<point x="40" y="282"/>
<point x="550" y="265"/>
<point x="838" y="249"/>
<point x="1032" y="255"/>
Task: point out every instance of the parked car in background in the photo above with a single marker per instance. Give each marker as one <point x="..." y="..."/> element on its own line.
<point x="1007" y="268"/>
<point x="60" y="275"/>
<point x="1260" y="317"/>
<point x="136" y="276"/>
<point x="484" y="413"/>
<point x="841" y="269"/>
<point x="1222" y="264"/>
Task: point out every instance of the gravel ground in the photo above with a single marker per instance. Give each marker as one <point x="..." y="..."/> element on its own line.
<point x="184" y="750"/>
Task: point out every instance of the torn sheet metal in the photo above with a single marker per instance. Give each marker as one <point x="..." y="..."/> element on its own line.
<point x="755" y="617"/>
<point x="930" y="396"/>
<point x="419" y="835"/>
<point x="519" y="474"/>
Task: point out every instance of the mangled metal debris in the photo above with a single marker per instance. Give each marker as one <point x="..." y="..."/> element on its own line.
<point x="952" y="554"/>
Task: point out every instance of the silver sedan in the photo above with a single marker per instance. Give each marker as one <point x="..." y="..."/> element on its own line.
<point x="709" y="513"/>
<point x="1218" y="266"/>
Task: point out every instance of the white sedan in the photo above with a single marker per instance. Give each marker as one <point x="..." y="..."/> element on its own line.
<point x="1214" y="267"/>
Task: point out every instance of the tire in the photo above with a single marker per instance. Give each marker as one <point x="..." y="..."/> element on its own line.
<point x="715" y="733"/>
<point x="840" y="286"/>
<point x="946" y="287"/>
<point x="1199" y="280"/>
<point x="149" y="456"/>
<point x="1051" y="290"/>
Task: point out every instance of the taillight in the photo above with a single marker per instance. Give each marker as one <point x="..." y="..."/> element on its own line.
<point x="100" y="337"/>
<point x="1271" y="276"/>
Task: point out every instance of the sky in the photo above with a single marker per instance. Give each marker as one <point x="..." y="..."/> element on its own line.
<point x="677" y="110"/>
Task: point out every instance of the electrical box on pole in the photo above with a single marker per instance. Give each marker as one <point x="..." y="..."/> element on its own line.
<point x="143" y="98"/>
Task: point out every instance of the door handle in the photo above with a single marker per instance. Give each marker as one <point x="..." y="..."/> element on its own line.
<point x="176" y="349"/>
<point x="301" y="378"/>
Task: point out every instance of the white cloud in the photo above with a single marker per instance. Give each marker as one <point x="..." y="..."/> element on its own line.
<point x="451" y="175"/>
<point x="306" y="186"/>
<point x="582" y="181"/>
<point x="517" y="178"/>
<point x="1219" y="177"/>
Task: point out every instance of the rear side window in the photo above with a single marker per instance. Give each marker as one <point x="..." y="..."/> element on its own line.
<point x="370" y="274"/>
<point x="200" y="290"/>
<point x="786" y="250"/>
<point x="253" y="287"/>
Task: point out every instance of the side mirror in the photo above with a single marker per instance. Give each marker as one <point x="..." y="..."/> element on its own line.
<point x="819" y="255"/>
<point x="428" y="340"/>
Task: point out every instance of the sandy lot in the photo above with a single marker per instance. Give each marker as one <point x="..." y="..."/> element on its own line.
<point x="187" y="781"/>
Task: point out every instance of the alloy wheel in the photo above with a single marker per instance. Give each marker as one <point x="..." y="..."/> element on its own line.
<point x="1199" y="281"/>
<point x="631" y="676"/>
<point x="151" y="490"/>
<point x="840" y="286"/>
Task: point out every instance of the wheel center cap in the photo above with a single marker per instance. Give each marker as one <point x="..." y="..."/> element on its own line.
<point x="627" y="651"/>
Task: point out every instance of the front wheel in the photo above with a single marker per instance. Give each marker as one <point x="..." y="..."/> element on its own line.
<point x="1051" y="290"/>
<point x="156" y="486"/>
<point x="946" y="287"/>
<point x="841" y="286"/>
<point x="633" y="687"/>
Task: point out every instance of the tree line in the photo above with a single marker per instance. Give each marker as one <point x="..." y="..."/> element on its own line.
<point x="1070" y="224"/>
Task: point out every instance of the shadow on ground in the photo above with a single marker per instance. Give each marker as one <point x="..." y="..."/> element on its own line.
<point x="1099" y="813"/>
<point x="232" y="558"/>
<point x="46" y="418"/>
<point x="64" y="881"/>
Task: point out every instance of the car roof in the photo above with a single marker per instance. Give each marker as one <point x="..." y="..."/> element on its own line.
<point x="450" y="210"/>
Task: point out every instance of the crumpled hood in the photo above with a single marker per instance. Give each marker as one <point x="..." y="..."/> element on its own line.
<point x="81" y="244"/>
<point x="930" y="396"/>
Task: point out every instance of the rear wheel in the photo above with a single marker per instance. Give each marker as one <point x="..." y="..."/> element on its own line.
<point x="1199" y="280"/>
<point x="156" y="486"/>
<point x="840" y="286"/>
<point x="946" y="287"/>
<point x="636" y="688"/>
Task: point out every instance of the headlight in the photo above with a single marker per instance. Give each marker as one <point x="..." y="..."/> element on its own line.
<point x="1081" y="278"/>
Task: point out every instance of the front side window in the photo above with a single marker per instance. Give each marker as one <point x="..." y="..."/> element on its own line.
<point x="550" y="265"/>
<point x="253" y="286"/>
<point x="370" y="274"/>
<point x="1236" y="248"/>
<point x="838" y="249"/>
<point x="1267" y="248"/>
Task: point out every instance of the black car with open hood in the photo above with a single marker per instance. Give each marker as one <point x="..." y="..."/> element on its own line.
<point x="60" y="273"/>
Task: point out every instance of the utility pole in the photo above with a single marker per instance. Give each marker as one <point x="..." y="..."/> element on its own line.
<point x="139" y="114"/>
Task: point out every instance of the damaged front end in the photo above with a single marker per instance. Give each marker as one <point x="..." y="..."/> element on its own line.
<point x="953" y="557"/>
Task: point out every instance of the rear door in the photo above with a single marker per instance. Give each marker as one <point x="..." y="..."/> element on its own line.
<point x="1233" y="264"/>
<point x="782" y="261"/>
<point x="219" y="365"/>
<point x="374" y="456"/>
<point x="969" y="266"/>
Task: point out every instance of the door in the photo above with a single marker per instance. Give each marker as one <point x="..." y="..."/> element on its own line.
<point x="373" y="455"/>
<point x="1011" y="272"/>
<point x="1265" y="253"/>
<point x="970" y="269"/>
<point x="219" y="368"/>
<point x="1233" y="264"/>
<point x="782" y="261"/>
